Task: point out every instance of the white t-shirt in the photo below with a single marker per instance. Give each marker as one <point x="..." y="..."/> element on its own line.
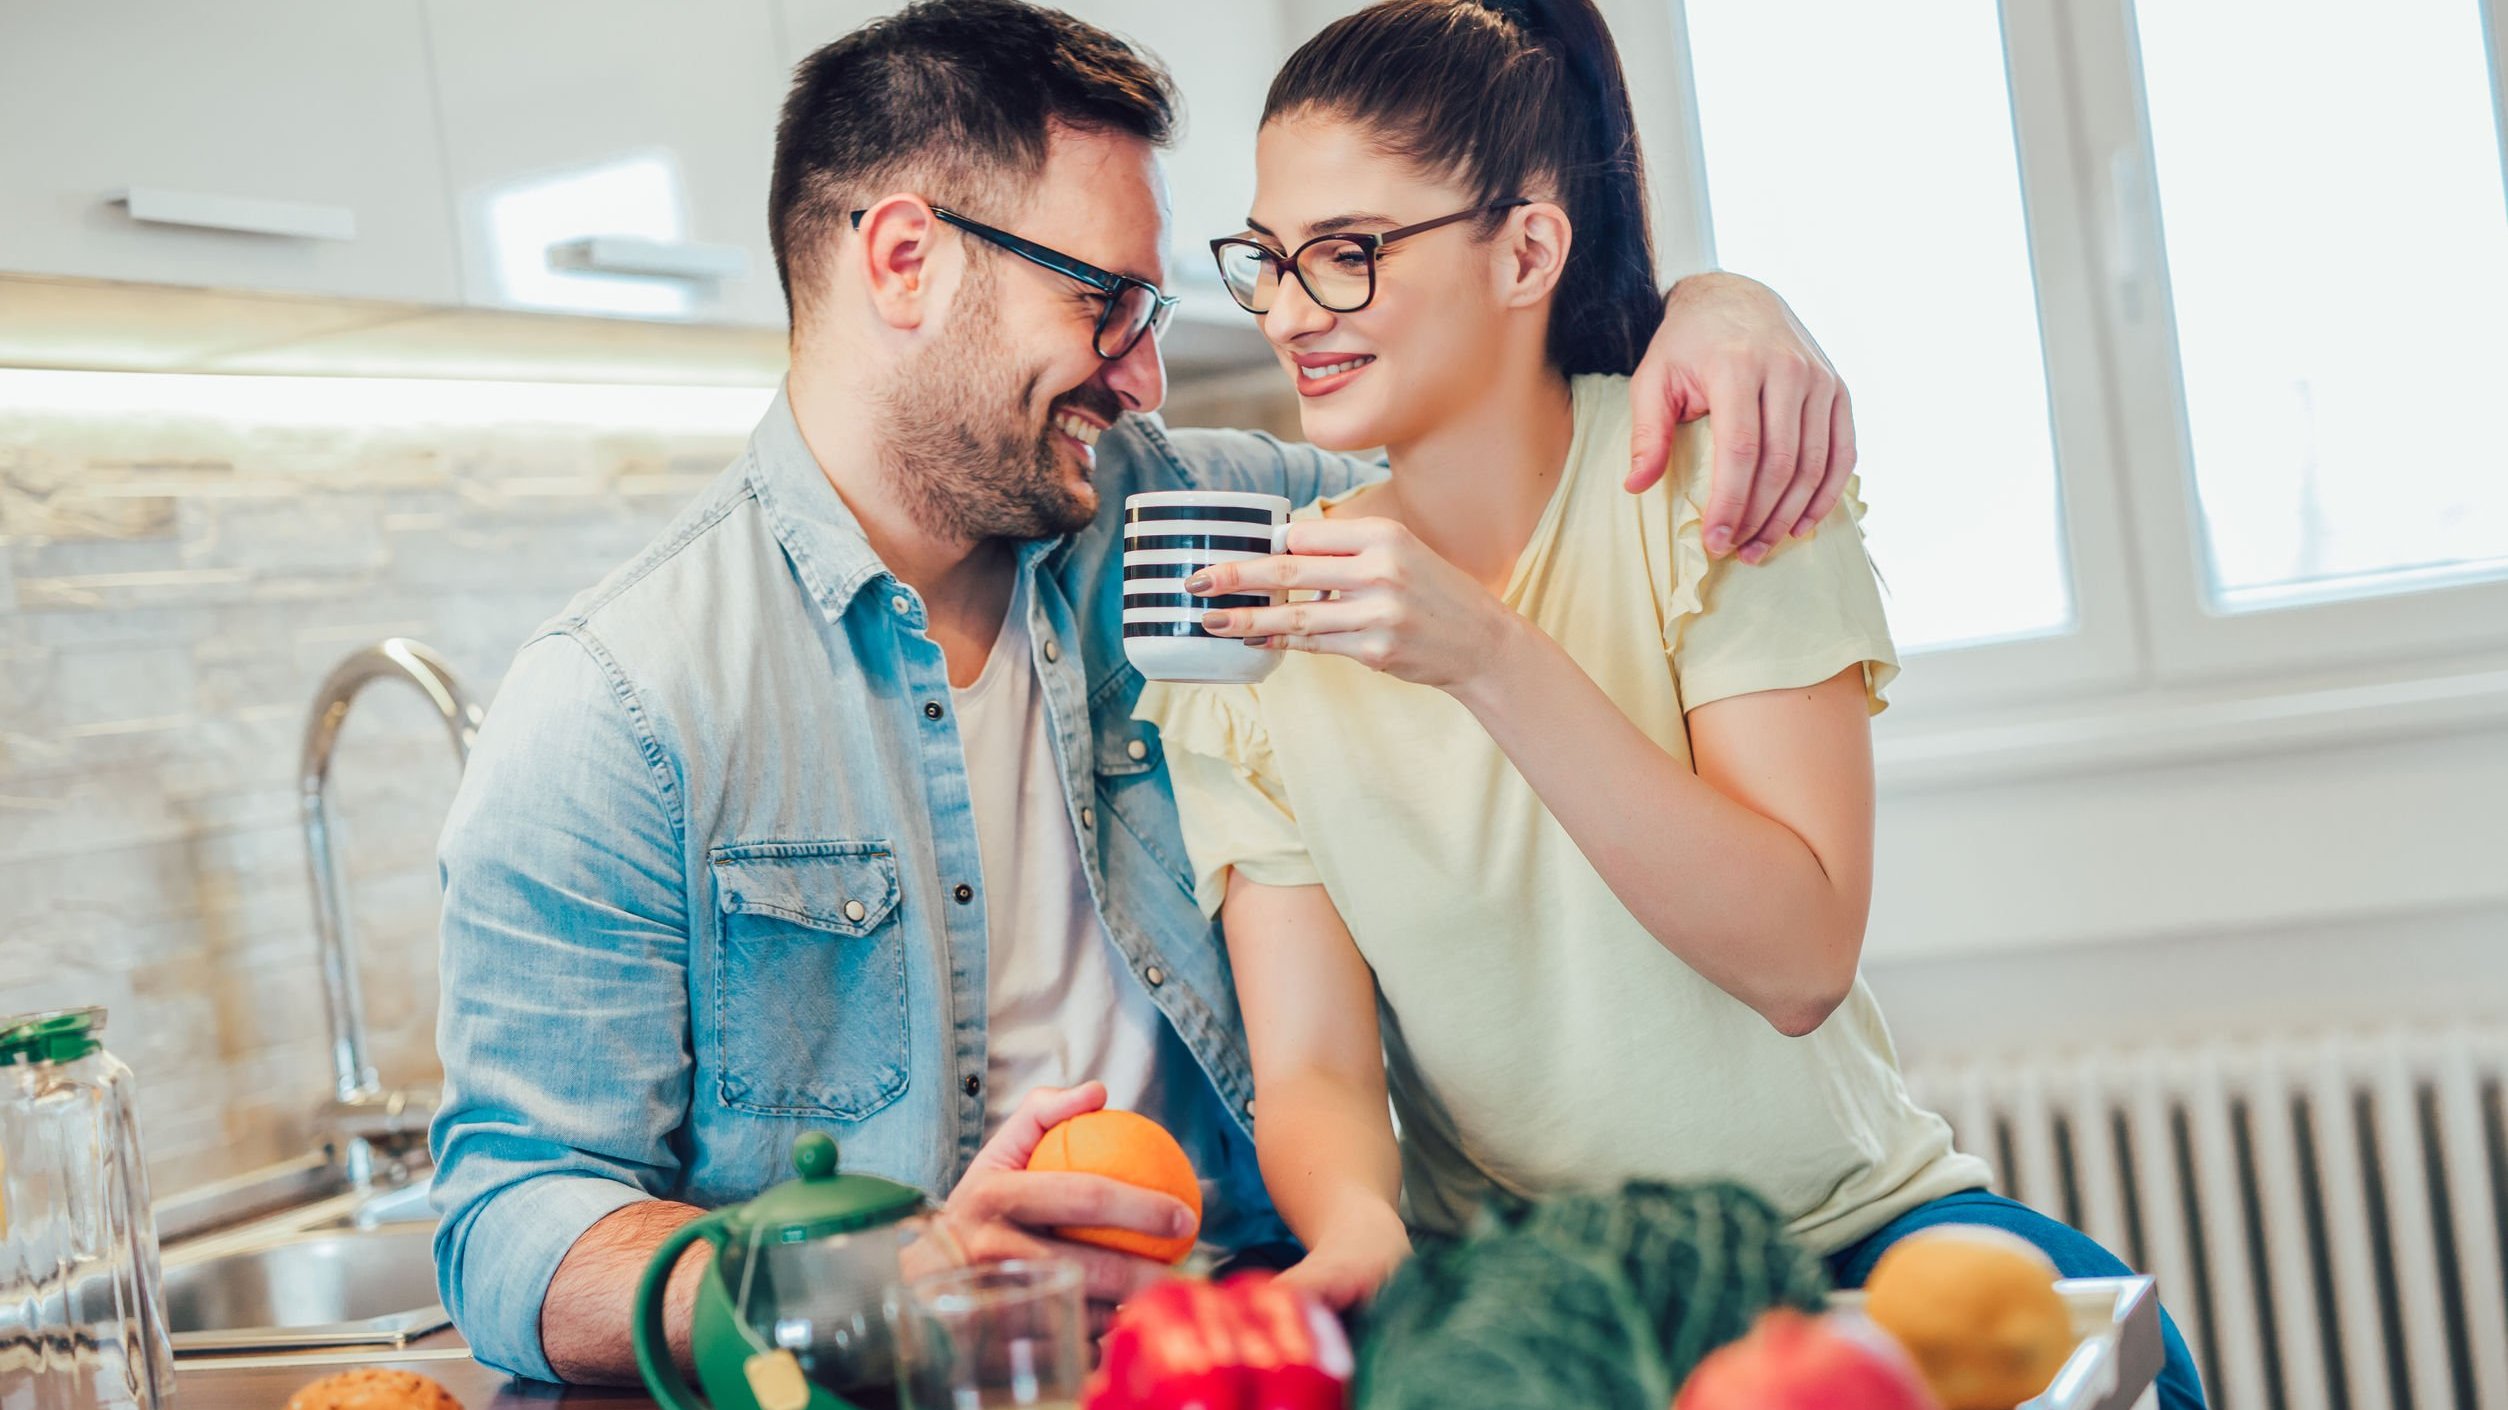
<point x="1060" y="1006"/>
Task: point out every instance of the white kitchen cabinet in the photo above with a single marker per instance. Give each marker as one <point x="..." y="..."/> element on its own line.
<point x="285" y="145"/>
<point x="612" y="156"/>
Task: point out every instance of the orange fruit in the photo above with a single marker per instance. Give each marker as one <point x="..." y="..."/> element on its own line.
<point x="1126" y="1146"/>
<point x="1977" y="1308"/>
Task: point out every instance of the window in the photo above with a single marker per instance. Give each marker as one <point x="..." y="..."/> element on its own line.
<point x="1866" y="224"/>
<point x="2175" y="327"/>
<point x="2337" y="245"/>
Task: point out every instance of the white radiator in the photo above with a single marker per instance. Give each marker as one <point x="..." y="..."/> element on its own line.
<point x="2325" y="1216"/>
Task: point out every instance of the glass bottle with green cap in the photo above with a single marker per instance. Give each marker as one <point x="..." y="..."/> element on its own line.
<point x="82" y="1308"/>
<point x="789" y="1314"/>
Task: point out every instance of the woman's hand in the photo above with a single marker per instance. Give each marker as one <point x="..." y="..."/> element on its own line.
<point x="1395" y="606"/>
<point x="1345" y="1269"/>
<point x="1785" y="437"/>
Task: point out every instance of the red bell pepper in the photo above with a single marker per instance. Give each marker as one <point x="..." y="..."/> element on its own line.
<point x="1245" y="1344"/>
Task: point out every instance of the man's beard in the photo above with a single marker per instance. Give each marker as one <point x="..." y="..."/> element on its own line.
<point x="955" y="440"/>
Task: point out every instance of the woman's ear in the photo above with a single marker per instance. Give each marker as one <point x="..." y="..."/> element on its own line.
<point x="897" y="255"/>
<point x="1535" y="244"/>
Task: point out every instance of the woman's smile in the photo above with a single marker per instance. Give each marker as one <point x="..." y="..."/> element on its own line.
<point x="1321" y="374"/>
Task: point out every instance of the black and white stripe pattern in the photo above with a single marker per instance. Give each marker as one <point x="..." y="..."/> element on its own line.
<point x="1166" y="543"/>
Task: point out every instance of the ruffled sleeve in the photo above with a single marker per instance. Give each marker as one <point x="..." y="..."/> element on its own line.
<point x="1804" y="613"/>
<point x="1234" y="808"/>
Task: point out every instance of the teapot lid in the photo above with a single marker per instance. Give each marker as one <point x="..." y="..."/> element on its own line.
<point x="62" y="1035"/>
<point x="823" y="1201"/>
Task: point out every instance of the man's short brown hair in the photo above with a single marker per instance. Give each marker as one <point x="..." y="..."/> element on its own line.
<point x="959" y="96"/>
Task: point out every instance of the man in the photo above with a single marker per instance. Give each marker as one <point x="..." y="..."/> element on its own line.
<point x="828" y="810"/>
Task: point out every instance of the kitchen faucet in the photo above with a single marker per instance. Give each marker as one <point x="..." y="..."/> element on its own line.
<point x="361" y="1114"/>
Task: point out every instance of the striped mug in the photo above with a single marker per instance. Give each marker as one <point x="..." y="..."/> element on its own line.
<point x="1170" y="535"/>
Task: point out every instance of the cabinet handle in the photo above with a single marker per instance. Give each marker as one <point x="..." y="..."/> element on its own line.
<point x="664" y="259"/>
<point x="207" y="210"/>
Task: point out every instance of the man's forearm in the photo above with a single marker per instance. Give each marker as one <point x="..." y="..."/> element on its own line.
<point x="587" y="1316"/>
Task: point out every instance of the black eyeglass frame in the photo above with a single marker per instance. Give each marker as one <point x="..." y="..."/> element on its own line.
<point x="1106" y="282"/>
<point x="1371" y="242"/>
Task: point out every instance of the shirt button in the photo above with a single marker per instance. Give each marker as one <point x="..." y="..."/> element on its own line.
<point x="901" y="603"/>
<point x="1249" y="1111"/>
<point x="1053" y="651"/>
<point x="931" y="710"/>
<point x="973" y="1084"/>
<point x="855" y="911"/>
<point x="1136" y="751"/>
<point x="964" y="893"/>
<point x="1088" y="817"/>
<point x="1155" y="976"/>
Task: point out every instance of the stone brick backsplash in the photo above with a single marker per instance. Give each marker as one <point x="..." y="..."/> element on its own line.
<point x="172" y="589"/>
<point x="173" y="586"/>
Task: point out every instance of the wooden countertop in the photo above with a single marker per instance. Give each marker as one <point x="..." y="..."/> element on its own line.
<point x="255" y="1383"/>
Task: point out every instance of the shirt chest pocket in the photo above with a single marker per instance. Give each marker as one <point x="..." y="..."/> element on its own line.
<point x="809" y="979"/>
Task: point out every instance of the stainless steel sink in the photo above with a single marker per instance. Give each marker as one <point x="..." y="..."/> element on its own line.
<point x="402" y="1207"/>
<point x="368" y="1287"/>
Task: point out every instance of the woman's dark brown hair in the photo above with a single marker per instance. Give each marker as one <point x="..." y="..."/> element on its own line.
<point x="1514" y="98"/>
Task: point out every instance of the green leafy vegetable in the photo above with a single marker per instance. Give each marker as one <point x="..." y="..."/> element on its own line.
<point x="1581" y="1302"/>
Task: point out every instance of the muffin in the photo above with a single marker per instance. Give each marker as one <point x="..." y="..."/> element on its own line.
<point x="373" y="1388"/>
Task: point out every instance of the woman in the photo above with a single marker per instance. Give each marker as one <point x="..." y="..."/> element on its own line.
<point x="1584" y="815"/>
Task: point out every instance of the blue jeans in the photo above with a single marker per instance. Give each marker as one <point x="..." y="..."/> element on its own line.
<point x="2076" y="1255"/>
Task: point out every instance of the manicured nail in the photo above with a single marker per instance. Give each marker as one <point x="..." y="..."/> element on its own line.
<point x="1258" y="641"/>
<point x="1199" y="582"/>
<point x="1214" y="621"/>
<point x="1719" y="539"/>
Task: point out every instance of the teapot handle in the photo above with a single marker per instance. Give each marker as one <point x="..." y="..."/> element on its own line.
<point x="653" y="1356"/>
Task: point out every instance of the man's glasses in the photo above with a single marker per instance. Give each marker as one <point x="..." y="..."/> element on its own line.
<point x="1337" y="271"/>
<point x="1134" y="307"/>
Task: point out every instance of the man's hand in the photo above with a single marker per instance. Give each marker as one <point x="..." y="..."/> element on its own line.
<point x="1785" y="438"/>
<point x="1001" y="1209"/>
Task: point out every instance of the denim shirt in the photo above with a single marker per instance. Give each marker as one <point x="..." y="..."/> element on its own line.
<point x="711" y="879"/>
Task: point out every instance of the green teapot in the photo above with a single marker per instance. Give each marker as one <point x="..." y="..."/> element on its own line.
<point x="790" y="1314"/>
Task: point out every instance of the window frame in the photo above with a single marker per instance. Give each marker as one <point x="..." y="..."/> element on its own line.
<point x="2190" y="639"/>
<point x="2132" y="530"/>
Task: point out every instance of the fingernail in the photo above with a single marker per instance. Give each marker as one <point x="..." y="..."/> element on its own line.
<point x="1199" y="582"/>
<point x="1754" y="553"/>
<point x="1258" y="641"/>
<point x="1803" y="529"/>
<point x="1180" y="1222"/>
<point x="1719" y="539"/>
<point x="1214" y="621"/>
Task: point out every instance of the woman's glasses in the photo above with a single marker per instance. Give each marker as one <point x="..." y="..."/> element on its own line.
<point x="1133" y="309"/>
<point x="1337" y="271"/>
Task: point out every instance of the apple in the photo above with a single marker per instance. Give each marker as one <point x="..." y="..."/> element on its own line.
<point x="1791" y="1361"/>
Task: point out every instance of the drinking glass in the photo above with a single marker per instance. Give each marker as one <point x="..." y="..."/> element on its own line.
<point x="993" y="1335"/>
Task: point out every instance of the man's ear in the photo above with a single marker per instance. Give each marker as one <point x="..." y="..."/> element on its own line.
<point x="898" y="248"/>
<point x="1534" y="246"/>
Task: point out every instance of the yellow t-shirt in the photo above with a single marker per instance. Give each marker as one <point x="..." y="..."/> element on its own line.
<point x="1537" y="1037"/>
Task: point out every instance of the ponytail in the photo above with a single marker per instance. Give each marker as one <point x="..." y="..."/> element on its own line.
<point x="1519" y="98"/>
